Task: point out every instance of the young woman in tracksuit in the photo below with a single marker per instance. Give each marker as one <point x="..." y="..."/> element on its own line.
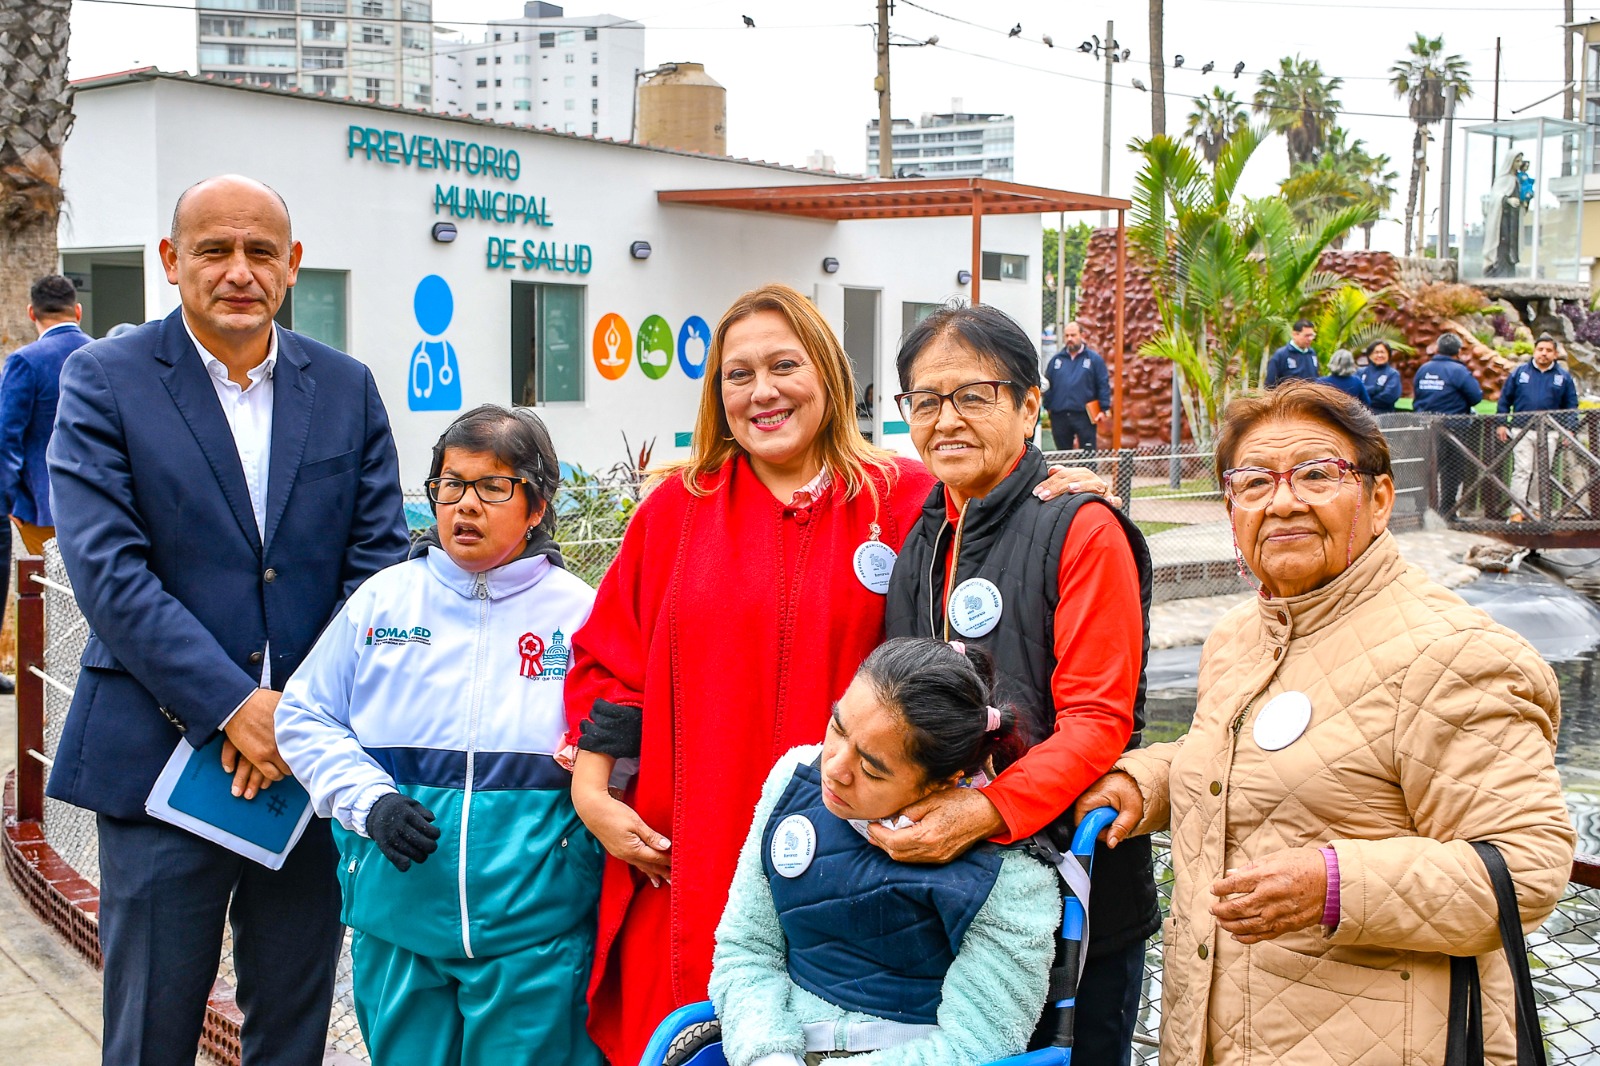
<point x="828" y="947"/>
<point x="425" y="720"/>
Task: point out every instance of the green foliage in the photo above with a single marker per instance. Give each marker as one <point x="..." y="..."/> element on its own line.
<point x="1346" y="318"/>
<point x="1230" y="274"/>
<point x="1300" y="103"/>
<point x="1421" y="78"/>
<point x="1345" y="173"/>
<point x="1077" y="247"/>
<point x="1214" y="121"/>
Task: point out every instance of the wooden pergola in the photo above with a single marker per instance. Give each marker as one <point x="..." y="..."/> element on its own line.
<point x="931" y="198"/>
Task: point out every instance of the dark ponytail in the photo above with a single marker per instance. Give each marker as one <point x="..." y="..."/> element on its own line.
<point x="943" y="696"/>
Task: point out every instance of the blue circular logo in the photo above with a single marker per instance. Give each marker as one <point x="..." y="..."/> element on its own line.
<point x="433" y="304"/>
<point x="694" y="344"/>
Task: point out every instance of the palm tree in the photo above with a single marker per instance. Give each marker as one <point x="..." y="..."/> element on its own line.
<point x="35" y="116"/>
<point x="1345" y="173"/>
<point x="1422" y="78"/>
<point x="1229" y="273"/>
<point x="1215" y="120"/>
<point x="1158" y="70"/>
<point x="1299" y="103"/>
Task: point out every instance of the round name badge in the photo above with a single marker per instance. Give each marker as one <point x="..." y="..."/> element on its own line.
<point x="794" y="844"/>
<point x="1282" y="720"/>
<point x="874" y="563"/>
<point x="975" y="606"/>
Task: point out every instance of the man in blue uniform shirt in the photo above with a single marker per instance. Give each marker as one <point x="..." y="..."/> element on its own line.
<point x="1540" y="385"/>
<point x="1073" y="379"/>
<point x="1295" y="359"/>
<point x="1380" y="377"/>
<point x="1444" y="386"/>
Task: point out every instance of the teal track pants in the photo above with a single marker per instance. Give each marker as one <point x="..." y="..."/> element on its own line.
<point x="526" y="1007"/>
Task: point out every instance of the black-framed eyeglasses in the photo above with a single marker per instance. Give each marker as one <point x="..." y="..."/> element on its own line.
<point x="496" y="488"/>
<point x="1313" y="482"/>
<point x="972" y="400"/>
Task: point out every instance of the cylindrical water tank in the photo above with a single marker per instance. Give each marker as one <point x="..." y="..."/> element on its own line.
<point x="684" y="108"/>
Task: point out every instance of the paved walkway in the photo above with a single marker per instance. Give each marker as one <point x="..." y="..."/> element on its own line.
<point x="49" y="997"/>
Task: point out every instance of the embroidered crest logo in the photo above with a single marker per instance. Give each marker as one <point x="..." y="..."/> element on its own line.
<point x="531" y="648"/>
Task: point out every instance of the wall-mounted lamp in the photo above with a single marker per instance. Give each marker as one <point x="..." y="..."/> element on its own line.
<point x="639" y="249"/>
<point x="830" y="265"/>
<point x="963" y="277"/>
<point x="444" y="232"/>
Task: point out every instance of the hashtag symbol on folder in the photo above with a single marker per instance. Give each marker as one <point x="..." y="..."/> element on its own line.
<point x="276" y="805"/>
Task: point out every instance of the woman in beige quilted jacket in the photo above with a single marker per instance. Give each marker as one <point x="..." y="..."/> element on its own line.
<point x="1357" y="726"/>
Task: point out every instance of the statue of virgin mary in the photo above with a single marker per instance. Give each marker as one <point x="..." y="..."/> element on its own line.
<point x="1502" y="221"/>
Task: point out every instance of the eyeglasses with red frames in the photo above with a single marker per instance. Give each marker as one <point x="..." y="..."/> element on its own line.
<point x="1313" y="482"/>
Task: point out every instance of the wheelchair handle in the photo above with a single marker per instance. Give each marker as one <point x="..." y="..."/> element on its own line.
<point x="1094" y="823"/>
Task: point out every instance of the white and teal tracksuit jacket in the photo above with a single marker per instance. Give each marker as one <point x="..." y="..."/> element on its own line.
<point x="447" y="686"/>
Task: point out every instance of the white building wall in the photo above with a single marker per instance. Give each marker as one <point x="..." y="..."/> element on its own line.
<point x="137" y="146"/>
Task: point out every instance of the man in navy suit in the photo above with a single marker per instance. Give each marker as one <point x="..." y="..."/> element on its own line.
<point x="27" y="413"/>
<point x="221" y="485"/>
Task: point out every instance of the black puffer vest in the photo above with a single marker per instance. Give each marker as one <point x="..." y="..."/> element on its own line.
<point x="1014" y="540"/>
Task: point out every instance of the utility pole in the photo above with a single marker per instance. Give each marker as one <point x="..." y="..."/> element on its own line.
<point x="1422" y="198"/>
<point x="1568" y="98"/>
<point x="885" y="122"/>
<point x="1105" y="129"/>
<point x="1444" y="170"/>
<point x="1158" y="72"/>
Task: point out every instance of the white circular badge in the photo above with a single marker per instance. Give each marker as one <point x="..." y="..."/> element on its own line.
<point x="794" y="844"/>
<point x="975" y="607"/>
<point x="874" y="563"/>
<point x="1282" y="720"/>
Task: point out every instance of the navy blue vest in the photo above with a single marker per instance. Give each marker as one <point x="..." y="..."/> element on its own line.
<point x="866" y="933"/>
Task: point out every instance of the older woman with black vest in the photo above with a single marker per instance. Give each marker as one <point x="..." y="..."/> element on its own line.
<point x="1058" y="592"/>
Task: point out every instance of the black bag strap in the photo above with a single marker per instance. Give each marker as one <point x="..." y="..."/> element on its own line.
<point x="1464" y="1042"/>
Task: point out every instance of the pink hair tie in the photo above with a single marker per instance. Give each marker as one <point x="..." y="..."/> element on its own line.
<point x="961" y="648"/>
<point x="994" y="720"/>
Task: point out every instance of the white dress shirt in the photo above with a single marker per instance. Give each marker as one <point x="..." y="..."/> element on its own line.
<point x="249" y="415"/>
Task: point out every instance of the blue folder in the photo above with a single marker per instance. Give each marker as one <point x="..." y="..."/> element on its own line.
<point x="205" y="791"/>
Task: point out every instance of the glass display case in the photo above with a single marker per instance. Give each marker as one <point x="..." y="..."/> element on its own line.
<point x="1522" y="199"/>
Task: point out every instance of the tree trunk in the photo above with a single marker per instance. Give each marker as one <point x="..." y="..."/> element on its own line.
<point x="1158" y="72"/>
<point x="1411" y="189"/>
<point x="27" y="255"/>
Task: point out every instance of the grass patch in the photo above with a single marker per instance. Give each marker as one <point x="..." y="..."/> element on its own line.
<point x="1152" y="528"/>
<point x="1187" y="487"/>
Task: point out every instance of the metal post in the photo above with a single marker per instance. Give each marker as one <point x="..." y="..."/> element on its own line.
<point x="1116" y="347"/>
<point x="977" y="239"/>
<point x="1570" y="97"/>
<point x="633" y="123"/>
<point x="30" y="691"/>
<point x="1061" y="277"/>
<point x="1422" y="198"/>
<point x="1175" y="468"/>
<point x="1538" y="190"/>
<point x="1444" y="171"/>
<point x="885" y="122"/>
<point x="1105" y="125"/>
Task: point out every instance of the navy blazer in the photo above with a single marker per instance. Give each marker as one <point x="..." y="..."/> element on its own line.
<point x="181" y="593"/>
<point x="27" y="414"/>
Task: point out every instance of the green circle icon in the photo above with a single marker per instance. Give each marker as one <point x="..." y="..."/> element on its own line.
<point x="655" y="347"/>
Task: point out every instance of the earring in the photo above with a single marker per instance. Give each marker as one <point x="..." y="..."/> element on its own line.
<point x="529" y="534"/>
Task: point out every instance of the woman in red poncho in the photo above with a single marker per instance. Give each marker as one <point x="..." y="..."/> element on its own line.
<point x="749" y="587"/>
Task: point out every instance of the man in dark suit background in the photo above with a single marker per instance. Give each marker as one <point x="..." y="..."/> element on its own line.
<point x="27" y="414"/>
<point x="221" y="486"/>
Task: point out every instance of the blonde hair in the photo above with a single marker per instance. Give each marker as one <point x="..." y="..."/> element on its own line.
<point x="842" y="448"/>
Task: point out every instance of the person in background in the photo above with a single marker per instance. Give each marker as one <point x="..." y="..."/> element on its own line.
<point x="28" y="389"/>
<point x="220" y="486"/>
<point x="841" y="950"/>
<point x="1538" y="385"/>
<point x="1296" y="359"/>
<point x="1341" y="375"/>
<point x="478" y="956"/>
<point x="1380" y="377"/>
<point x="1444" y="386"/>
<point x="1357" y="727"/>
<point x="1077" y="392"/>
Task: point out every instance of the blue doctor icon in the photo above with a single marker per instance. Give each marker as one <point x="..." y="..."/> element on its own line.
<point x="435" y="377"/>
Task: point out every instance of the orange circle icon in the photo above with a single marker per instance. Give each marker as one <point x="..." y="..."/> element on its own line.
<point x="613" y="346"/>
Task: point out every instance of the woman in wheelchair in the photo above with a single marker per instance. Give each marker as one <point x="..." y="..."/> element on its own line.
<point x="828" y="948"/>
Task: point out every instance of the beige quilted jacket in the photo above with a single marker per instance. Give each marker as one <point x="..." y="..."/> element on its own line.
<point x="1431" y="726"/>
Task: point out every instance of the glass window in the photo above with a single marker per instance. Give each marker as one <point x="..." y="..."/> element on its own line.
<point x="1002" y="266"/>
<point x="568" y="57"/>
<point x="497" y="60"/>
<point x="594" y="128"/>
<point x="594" y="58"/>
<point x="547" y="39"/>
<point x="483" y="61"/>
<point x="912" y="313"/>
<point x="521" y="83"/>
<point x="522" y="105"/>
<point x="311" y="7"/>
<point x="594" y="81"/>
<point x="565" y="37"/>
<point x="497" y="83"/>
<point x="521" y="59"/>
<point x="570" y="105"/>
<point x="547" y="343"/>
<point x="591" y="33"/>
<point x="570" y="81"/>
<point x="483" y="107"/>
<point x="483" y="83"/>
<point x="316" y="306"/>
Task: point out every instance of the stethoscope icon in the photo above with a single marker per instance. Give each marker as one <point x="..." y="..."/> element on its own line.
<point x="422" y="371"/>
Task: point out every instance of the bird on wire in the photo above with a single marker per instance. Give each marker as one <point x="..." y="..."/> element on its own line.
<point x="1177" y="60"/>
<point x="1048" y="43"/>
<point x="748" y="21"/>
<point x="1016" y="31"/>
<point x="1137" y="84"/>
<point x="1238" y="68"/>
<point x="1209" y="67"/>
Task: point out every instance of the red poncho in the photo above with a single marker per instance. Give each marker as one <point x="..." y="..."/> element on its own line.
<point x="734" y="621"/>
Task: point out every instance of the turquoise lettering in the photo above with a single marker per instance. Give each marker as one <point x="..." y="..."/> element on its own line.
<point x="513" y="164"/>
<point x="357" y="137"/>
<point x="374" y="143"/>
<point x="392" y="145"/>
<point x="474" y="158"/>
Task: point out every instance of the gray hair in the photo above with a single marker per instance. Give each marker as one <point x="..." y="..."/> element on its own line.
<point x="1342" y="364"/>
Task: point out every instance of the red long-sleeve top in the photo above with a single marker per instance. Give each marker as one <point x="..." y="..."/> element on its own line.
<point x="1099" y="639"/>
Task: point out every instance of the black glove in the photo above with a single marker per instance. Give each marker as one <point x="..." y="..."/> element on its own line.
<point x="612" y="729"/>
<point x="403" y="830"/>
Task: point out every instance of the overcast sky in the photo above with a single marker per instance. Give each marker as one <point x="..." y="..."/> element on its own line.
<point x="802" y="79"/>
